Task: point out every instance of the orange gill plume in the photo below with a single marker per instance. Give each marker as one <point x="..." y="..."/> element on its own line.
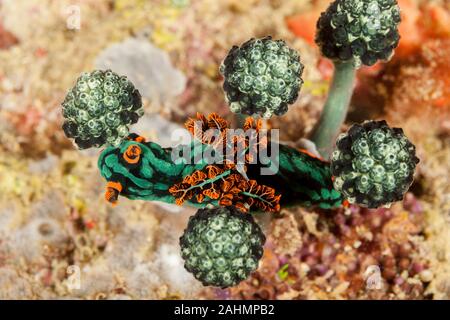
<point x="185" y="190"/>
<point x="233" y="189"/>
<point x="197" y="126"/>
<point x="211" y="130"/>
<point x="261" y="196"/>
<point x="251" y="123"/>
<point x="181" y="192"/>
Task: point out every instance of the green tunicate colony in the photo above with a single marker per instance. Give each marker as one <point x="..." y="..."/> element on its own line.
<point x="363" y="30"/>
<point x="99" y="109"/>
<point x="373" y="164"/>
<point x="221" y="246"/>
<point x="262" y="76"/>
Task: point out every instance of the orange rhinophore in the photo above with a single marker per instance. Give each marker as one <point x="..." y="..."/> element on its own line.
<point x="132" y="154"/>
<point x="112" y="192"/>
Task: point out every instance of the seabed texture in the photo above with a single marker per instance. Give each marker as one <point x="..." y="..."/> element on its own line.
<point x="53" y="216"/>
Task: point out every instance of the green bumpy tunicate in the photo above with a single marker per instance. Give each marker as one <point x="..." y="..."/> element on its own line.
<point x="262" y="76"/>
<point x="99" y="109"/>
<point x="363" y="30"/>
<point x="221" y="246"/>
<point x="373" y="164"/>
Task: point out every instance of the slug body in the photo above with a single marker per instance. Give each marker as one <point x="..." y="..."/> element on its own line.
<point x="141" y="170"/>
<point x="302" y="179"/>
